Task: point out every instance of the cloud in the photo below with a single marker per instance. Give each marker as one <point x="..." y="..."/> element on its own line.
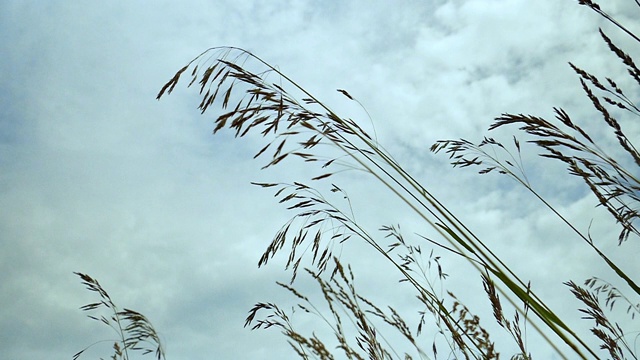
<point x="97" y="176"/>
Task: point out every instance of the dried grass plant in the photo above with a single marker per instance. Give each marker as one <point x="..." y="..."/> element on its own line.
<point x="135" y="332"/>
<point x="297" y="125"/>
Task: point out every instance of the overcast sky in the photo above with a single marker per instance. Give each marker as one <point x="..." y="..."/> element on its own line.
<point x="97" y="176"/>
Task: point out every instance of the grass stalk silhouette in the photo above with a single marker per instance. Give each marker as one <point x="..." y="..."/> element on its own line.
<point x="135" y="331"/>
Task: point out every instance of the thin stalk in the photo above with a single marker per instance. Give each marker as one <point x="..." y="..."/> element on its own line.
<point x="596" y="8"/>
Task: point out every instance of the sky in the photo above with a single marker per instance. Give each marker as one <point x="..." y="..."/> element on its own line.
<point x="98" y="177"/>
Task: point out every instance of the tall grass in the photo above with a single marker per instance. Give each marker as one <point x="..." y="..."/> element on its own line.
<point x="134" y="331"/>
<point x="295" y="124"/>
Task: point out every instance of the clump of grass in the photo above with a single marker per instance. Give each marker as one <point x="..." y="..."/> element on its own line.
<point x="297" y="129"/>
<point x="135" y="332"/>
<point x="310" y="131"/>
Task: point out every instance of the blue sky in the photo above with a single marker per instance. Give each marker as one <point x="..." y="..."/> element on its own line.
<point x="97" y="176"/>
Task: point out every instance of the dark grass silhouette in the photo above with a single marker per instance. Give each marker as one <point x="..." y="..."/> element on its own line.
<point x="297" y="125"/>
